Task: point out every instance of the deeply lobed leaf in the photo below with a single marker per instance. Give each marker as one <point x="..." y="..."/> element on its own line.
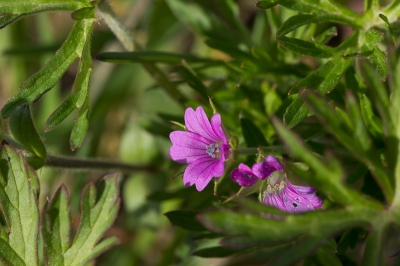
<point x="19" y="192"/>
<point x="99" y="208"/>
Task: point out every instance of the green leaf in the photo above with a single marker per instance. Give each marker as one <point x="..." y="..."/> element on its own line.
<point x="8" y="19"/>
<point x="214" y="252"/>
<point x="302" y="248"/>
<point x="81" y="86"/>
<point x="65" y="109"/>
<point x="47" y="77"/>
<point x="18" y="199"/>
<point x="379" y="60"/>
<point x="379" y="93"/>
<point x="266" y="4"/>
<point x="252" y="134"/>
<point x="373" y="122"/>
<point x="295" y="22"/>
<point x="373" y="254"/>
<point x="185" y="219"/>
<point x="206" y="22"/>
<point x="321" y="224"/>
<point x="23" y="130"/>
<point x="344" y="118"/>
<point x="99" y="208"/>
<point x="326" y="78"/>
<point x="356" y="141"/>
<point x="339" y="13"/>
<point x="376" y="56"/>
<point x="56" y="227"/>
<point x="326" y="35"/>
<point x="1" y="130"/>
<point x="193" y="80"/>
<point x="333" y="186"/>
<point x="149" y="56"/>
<point x="303" y="47"/>
<point x="15" y="7"/>
<point x="373" y="36"/>
<point x="314" y="79"/>
<point x="81" y="125"/>
<point x="326" y="255"/>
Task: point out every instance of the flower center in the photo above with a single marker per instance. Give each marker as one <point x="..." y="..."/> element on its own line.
<point x="213" y="150"/>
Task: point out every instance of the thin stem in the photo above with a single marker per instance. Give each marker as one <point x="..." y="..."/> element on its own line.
<point x="128" y="41"/>
<point x="93" y="164"/>
<point x="117" y="27"/>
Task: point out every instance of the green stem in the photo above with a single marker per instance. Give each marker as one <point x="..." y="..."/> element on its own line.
<point x="93" y="164"/>
<point x="128" y="41"/>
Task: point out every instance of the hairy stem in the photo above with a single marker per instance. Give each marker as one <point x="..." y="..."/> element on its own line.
<point x="90" y="164"/>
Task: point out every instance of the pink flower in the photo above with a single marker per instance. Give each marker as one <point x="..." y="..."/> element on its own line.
<point x="291" y="198"/>
<point x="266" y="168"/>
<point x="247" y="177"/>
<point x="244" y="176"/>
<point x="280" y="193"/>
<point x="203" y="146"/>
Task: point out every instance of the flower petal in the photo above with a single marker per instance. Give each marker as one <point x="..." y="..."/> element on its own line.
<point x="201" y="171"/>
<point x="266" y="168"/>
<point x="187" y="146"/>
<point x="244" y="176"/>
<point x="197" y="122"/>
<point x="216" y="126"/>
<point x="300" y="199"/>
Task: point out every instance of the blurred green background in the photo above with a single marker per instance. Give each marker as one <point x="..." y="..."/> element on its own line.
<point x="124" y="102"/>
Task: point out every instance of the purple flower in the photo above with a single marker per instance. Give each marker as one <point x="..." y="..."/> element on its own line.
<point x="266" y="168"/>
<point x="291" y="198"/>
<point x="247" y="177"/>
<point x="244" y="176"/>
<point x="203" y="146"/>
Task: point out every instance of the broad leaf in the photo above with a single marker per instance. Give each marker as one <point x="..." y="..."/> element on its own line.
<point x="19" y="192"/>
<point x="99" y="207"/>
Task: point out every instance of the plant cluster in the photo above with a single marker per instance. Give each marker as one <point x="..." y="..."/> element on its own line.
<point x="307" y="94"/>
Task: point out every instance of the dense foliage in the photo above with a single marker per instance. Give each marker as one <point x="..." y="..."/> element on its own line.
<point x="313" y="83"/>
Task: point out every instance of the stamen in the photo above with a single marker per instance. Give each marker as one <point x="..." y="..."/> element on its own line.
<point x="213" y="150"/>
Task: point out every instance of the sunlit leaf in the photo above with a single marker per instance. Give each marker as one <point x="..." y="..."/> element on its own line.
<point x="46" y="78"/>
<point x="18" y="196"/>
<point x="99" y="208"/>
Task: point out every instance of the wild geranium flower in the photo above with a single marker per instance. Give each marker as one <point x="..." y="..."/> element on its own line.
<point x="280" y="193"/>
<point x="247" y="177"/>
<point x="291" y="198"/>
<point x="203" y="146"/>
<point x="244" y="176"/>
<point x="284" y="195"/>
